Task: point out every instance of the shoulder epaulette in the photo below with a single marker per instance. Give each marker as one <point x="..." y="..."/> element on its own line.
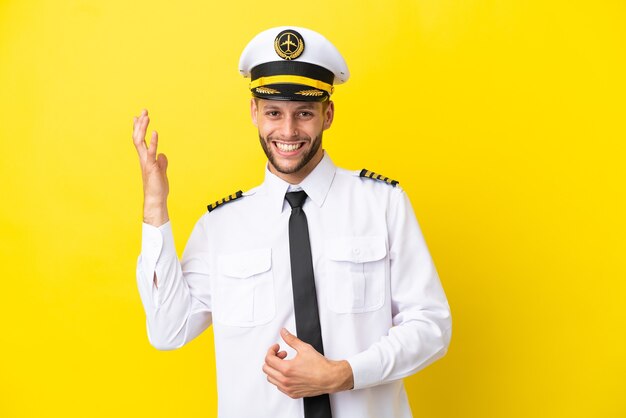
<point x="227" y="199"/>
<point x="372" y="175"/>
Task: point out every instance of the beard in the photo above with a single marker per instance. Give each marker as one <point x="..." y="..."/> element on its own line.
<point x="305" y="158"/>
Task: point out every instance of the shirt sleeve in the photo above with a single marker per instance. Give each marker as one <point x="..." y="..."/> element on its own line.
<point x="178" y="306"/>
<point x="422" y="324"/>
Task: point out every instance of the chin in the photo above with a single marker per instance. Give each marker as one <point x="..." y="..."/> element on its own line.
<point x="296" y="164"/>
<point x="287" y="168"/>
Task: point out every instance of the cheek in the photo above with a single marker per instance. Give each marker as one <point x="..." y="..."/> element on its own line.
<point x="269" y="127"/>
<point x="262" y="127"/>
<point x="265" y="133"/>
<point x="264" y="130"/>
<point x="315" y="128"/>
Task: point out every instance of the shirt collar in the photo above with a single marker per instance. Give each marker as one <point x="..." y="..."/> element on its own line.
<point x="316" y="184"/>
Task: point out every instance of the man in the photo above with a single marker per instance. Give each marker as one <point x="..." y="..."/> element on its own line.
<point x="318" y="282"/>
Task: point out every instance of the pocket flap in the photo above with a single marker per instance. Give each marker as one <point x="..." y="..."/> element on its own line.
<point x="245" y="264"/>
<point x="357" y="249"/>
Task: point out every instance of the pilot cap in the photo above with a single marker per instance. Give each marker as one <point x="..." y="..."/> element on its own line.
<point x="292" y="63"/>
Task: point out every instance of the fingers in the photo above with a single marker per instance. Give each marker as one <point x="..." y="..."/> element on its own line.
<point x="140" y="124"/>
<point x="275" y="368"/>
<point x="162" y="162"/>
<point x="273" y="373"/>
<point x="154" y="140"/>
<point x="279" y="386"/>
<point x="137" y="122"/>
<point x="273" y="360"/>
<point x="136" y="119"/>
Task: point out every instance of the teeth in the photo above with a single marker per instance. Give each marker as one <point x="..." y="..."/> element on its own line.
<point x="288" y="147"/>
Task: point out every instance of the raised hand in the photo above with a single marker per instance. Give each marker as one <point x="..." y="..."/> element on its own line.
<point x="153" y="172"/>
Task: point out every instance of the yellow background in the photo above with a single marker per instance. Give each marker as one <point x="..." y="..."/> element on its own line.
<point x="503" y="120"/>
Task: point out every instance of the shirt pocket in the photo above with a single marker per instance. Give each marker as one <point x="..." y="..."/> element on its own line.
<point x="244" y="294"/>
<point x="356" y="268"/>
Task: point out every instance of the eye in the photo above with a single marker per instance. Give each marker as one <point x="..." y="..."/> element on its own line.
<point x="272" y="113"/>
<point x="305" y="114"/>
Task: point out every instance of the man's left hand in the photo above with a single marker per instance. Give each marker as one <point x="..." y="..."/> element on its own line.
<point x="309" y="373"/>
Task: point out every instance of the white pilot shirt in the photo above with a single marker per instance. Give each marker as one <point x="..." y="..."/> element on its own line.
<point x="381" y="304"/>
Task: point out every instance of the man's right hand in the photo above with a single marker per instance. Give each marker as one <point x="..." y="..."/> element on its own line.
<point x="153" y="172"/>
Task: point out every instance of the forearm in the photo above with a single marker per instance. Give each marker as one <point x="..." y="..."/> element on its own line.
<point x="173" y="316"/>
<point x="406" y="349"/>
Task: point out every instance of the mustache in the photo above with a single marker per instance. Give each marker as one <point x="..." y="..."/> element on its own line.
<point x="299" y="138"/>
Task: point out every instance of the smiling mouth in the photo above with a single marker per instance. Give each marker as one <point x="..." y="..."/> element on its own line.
<point x="288" y="146"/>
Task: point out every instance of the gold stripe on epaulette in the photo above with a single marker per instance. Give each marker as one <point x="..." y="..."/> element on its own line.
<point x="374" y="176"/>
<point x="227" y="199"/>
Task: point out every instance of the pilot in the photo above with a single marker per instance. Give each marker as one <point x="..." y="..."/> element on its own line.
<point x="318" y="282"/>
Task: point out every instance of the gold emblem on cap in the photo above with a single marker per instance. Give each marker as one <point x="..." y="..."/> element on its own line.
<point x="289" y="44"/>
<point x="266" y="90"/>
<point x="315" y="93"/>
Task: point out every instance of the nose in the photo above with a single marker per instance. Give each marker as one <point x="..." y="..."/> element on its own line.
<point x="288" y="128"/>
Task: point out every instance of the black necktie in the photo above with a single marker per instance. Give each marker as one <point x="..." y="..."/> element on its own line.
<point x="304" y="296"/>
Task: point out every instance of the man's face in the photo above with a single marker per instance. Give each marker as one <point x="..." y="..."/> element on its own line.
<point x="291" y="133"/>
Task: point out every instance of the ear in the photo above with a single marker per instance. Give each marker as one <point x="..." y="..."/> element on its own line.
<point x="253" y="111"/>
<point x="329" y="115"/>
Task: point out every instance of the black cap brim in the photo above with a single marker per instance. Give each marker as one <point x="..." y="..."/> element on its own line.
<point x="289" y="91"/>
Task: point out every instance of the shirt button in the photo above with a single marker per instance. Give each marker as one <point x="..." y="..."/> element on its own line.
<point x="356" y="250"/>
